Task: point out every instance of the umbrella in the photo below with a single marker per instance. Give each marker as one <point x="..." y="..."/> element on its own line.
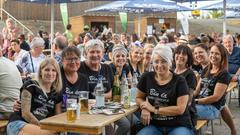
<point x="139" y="6"/>
<point x="224" y="5"/>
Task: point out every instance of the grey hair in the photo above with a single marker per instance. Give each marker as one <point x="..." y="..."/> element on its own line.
<point x="94" y="43"/>
<point x="228" y="37"/>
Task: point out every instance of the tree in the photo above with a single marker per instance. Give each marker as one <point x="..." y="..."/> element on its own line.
<point x="215" y="14"/>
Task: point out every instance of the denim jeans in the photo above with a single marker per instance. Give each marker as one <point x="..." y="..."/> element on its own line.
<point x="124" y="124"/>
<point x="14" y="127"/>
<point x="207" y="112"/>
<point x="154" y="130"/>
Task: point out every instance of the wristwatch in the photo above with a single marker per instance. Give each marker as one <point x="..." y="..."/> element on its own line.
<point x="196" y="101"/>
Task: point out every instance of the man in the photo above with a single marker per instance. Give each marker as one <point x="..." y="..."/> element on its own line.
<point x="23" y="44"/>
<point x="234" y="57"/>
<point x="10" y="84"/>
<point x="59" y="43"/>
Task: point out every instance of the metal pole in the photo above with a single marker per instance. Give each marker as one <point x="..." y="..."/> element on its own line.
<point x="52" y="27"/>
<point x="139" y="25"/>
<point x="224" y="17"/>
<point x="1" y="9"/>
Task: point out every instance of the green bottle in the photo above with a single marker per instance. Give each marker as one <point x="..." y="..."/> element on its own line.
<point x="116" y="93"/>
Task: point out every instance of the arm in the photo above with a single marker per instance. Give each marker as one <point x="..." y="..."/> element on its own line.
<point x="197" y="91"/>
<point x="108" y="95"/>
<point x="235" y="77"/>
<point x="219" y="91"/>
<point x="58" y="108"/>
<point x="179" y="109"/>
<point x="26" y="98"/>
<point x="145" y="114"/>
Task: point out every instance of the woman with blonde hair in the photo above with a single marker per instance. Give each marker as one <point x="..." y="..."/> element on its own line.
<point x="147" y="57"/>
<point x="135" y="58"/>
<point x="40" y="99"/>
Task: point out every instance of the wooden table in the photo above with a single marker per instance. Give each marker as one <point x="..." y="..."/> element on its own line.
<point x="87" y="123"/>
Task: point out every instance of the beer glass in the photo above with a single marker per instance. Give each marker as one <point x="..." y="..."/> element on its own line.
<point x="71" y="110"/>
<point x="83" y="99"/>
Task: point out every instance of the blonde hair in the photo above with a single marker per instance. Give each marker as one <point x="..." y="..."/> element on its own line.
<point x="57" y="84"/>
<point x="140" y="65"/>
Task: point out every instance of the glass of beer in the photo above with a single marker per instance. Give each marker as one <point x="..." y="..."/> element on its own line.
<point x="71" y="110"/>
<point x="83" y="99"/>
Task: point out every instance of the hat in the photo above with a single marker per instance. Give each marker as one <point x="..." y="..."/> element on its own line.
<point x="164" y="52"/>
<point x="183" y="39"/>
<point x="119" y="48"/>
<point x="86" y="27"/>
<point x="36" y="42"/>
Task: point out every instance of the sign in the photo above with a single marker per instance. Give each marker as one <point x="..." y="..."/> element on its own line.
<point x="161" y="20"/>
<point x="196" y="13"/>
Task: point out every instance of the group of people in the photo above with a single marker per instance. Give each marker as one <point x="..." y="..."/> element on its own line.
<point x="178" y="82"/>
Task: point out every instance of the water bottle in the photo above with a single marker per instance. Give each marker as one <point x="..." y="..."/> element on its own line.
<point x="134" y="87"/>
<point x="99" y="93"/>
<point x="125" y="92"/>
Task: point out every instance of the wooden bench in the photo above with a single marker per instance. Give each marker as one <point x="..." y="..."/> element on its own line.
<point x="200" y="124"/>
<point x="3" y="124"/>
<point x="231" y="86"/>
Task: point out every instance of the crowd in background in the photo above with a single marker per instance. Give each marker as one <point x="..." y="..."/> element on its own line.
<point x="181" y="78"/>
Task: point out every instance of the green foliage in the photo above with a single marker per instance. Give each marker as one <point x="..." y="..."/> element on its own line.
<point x="215" y="14"/>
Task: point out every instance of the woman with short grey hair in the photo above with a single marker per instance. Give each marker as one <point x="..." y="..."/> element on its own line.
<point x="31" y="61"/>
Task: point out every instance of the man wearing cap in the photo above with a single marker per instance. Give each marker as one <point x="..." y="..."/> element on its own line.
<point x="86" y="29"/>
<point x="31" y="61"/>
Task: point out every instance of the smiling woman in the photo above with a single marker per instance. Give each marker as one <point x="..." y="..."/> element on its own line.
<point x="163" y="97"/>
<point x="39" y="99"/>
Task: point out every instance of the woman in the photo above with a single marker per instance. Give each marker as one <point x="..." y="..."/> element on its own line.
<point x="73" y="81"/>
<point x="163" y="97"/>
<point x="31" y="61"/>
<point x="135" y="58"/>
<point x="183" y="61"/>
<point x="16" y="53"/>
<point x="119" y="62"/>
<point x="212" y="86"/>
<point x="9" y="32"/>
<point x="39" y="99"/>
<point x="93" y="69"/>
<point x="200" y="53"/>
<point x="147" y="57"/>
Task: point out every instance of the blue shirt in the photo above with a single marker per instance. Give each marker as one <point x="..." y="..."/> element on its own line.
<point x="234" y="60"/>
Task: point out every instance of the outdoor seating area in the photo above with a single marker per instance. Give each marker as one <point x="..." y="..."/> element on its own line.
<point x="119" y="67"/>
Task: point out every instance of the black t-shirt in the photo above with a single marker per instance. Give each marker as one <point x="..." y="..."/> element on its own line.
<point x="192" y="83"/>
<point x="126" y="68"/>
<point x="197" y="68"/>
<point x="105" y="74"/>
<point x="70" y="90"/>
<point x="163" y="96"/>
<point x="209" y="82"/>
<point x="132" y="70"/>
<point x="42" y="106"/>
<point x="190" y="78"/>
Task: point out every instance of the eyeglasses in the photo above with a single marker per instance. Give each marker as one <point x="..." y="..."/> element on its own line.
<point x="75" y="59"/>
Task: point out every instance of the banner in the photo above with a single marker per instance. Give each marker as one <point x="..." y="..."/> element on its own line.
<point x="185" y="25"/>
<point x="64" y="13"/>
<point x="123" y="18"/>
